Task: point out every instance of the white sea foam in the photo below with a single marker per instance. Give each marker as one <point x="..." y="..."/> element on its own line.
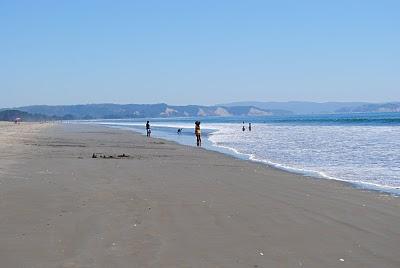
<point x="368" y="156"/>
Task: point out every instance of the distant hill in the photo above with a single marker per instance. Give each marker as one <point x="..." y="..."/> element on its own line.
<point x="372" y="108"/>
<point x="300" y="107"/>
<point x="11" y="115"/>
<point x="115" y="111"/>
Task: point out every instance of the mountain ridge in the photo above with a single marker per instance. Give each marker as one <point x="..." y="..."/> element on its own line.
<point x="116" y="111"/>
<point x="373" y="108"/>
<point x="299" y="107"/>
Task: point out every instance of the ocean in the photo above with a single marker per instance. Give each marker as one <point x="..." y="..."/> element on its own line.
<point x="361" y="149"/>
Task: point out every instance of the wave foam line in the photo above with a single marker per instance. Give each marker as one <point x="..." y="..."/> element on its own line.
<point x="311" y="173"/>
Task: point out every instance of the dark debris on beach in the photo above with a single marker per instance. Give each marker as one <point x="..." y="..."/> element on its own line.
<point x="104" y="156"/>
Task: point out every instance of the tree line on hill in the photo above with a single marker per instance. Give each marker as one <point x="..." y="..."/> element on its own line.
<point x="12" y="115"/>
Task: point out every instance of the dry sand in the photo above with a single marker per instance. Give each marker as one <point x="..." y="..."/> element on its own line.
<point x="175" y="206"/>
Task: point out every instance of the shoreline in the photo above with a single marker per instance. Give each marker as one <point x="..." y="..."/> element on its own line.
<point x="312" y="174"/>
<point x="168" y="205"/>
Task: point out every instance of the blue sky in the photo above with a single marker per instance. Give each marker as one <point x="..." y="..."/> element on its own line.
<point x="198" y="52"/>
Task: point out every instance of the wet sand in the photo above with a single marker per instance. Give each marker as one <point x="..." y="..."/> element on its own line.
<point x="168" y="205"/>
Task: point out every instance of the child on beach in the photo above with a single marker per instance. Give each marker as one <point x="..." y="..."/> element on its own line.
<point x="148" y="129"/>
<point x="197" y="132"/>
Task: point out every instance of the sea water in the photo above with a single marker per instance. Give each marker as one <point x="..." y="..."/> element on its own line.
<point x="362" y="149"/>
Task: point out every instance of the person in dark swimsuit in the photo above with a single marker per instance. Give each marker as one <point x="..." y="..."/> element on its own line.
<point x="148" y="129"/>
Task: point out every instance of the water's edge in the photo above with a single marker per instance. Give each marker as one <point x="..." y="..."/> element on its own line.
<point x="212" y="146"/>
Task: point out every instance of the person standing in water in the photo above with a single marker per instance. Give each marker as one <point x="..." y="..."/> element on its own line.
<point x="148" y="129"/>
<point x="197" y="132"/>
<point x="249" y="126"/>
<point x="243" y="127"/>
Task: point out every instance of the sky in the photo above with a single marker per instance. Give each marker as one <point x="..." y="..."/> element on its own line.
<point x="198" y="52"/>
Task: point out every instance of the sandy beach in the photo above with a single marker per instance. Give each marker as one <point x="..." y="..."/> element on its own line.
<point x="167" y="205"/>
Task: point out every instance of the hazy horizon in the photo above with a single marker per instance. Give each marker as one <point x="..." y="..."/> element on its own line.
<point x="208" y="52"/>
<point x="199" y="104"/>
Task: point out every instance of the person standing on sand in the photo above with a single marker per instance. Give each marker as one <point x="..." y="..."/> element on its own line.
<point x="249" y="126"/>
<point x="148" y="129"/>
<point x="197" y="132"/>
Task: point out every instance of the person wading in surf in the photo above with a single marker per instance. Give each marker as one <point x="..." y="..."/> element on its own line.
<point x="197" y="132"/>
